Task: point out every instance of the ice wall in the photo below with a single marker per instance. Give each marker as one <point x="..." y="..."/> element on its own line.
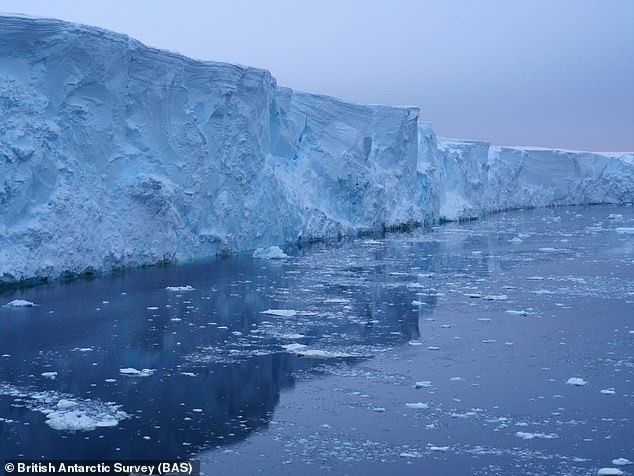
<point x="476" y="178"/>
<point x="113" y="154"/>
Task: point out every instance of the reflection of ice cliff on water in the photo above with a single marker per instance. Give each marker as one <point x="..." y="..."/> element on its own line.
<point x="216" y="355"/>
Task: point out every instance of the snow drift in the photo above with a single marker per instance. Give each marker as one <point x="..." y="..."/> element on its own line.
<point x="113" y="154"/>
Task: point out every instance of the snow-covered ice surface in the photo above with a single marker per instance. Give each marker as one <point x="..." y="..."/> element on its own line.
<point x="308" y="383"/>
<point x="115" y="155"/>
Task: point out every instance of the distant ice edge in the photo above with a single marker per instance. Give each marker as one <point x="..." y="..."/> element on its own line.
<point x="115" y="155"/>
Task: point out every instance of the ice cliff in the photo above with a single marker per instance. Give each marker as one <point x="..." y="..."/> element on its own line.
<point x="113" y="154"/>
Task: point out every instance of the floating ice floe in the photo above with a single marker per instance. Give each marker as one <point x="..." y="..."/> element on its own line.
<point x="323" y="354"/>
<point x="67" y="413"/>
<point x="615" y="216"/>
<point x="473" y="295"/>
<point x="608" y="391"/>
<point x="180" y="289"/>
<point x="438" y="448"/>
<point x="516" y="313"/>
<point x="576" y="381"/>
<point x="423" y="384"/>
<point x="82" y="349"/>
<point x="280" y="312"/>
<point x="49" y="375"/>
<point x="132" y="372"/>
<point x="417" y="406"/>
<point x="20" y="303"/>
<point x="624" y="230"/>
<point x="496" y="297"/>
<point x="530" y="436"/>
<point x="272" y="252"/>
<point x="610" y="472"/>
<point x="621" y="462"/>
<point x="411" y="454"/>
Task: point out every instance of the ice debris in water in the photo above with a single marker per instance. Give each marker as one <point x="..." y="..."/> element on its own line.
<point x="272" y="252"/>
<point x="423" y="384"/>
<point x="417" y="406"/>
<point x="179" y="289"/>
<point x="280" y="312"/>
<point x="20" y="303"/>
<point x="608" y="391"/>
<point x="494" y="297"/>
<point x="51" y="375"/>
<point x="615" y="216"/>
<point x="576" y="381"/>
<point x="610" y="472"/>
<point x="530" y="436"/>
<point x="132" y="372"/>
<point x="621" y="462"/>
<point x="67" y="413"/>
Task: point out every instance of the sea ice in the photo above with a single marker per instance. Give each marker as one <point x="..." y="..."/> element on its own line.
<point x="530" y="436"/>
<point x="417" y="406"/>
<point x="180" y="289"/>
<point x="280" y="312"/>
<point x="576" y="381"/>
<point x="272" y="252"/>
<point x="610" y="472"/>
<point x="621" y="462"/>
<point x="132" y="372"/>
<point x="20" y="303"/>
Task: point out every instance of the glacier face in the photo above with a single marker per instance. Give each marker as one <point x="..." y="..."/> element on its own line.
<point x="113" y="154"/>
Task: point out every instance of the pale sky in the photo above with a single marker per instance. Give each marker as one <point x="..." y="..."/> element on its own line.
<point x="552" y="73"/>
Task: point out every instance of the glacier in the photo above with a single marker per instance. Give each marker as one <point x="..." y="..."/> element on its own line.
<point x="115" y="155"/>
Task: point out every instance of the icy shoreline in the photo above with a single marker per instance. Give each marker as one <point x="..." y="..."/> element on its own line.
<point x="114" y="155"/>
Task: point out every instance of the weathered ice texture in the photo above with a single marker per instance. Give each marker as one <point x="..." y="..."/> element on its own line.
<point x="113" y="154"/>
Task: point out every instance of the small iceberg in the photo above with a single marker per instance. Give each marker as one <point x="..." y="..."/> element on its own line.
<point x="132" y="372"/>
<point x="280" y="312"/>
<point x="180" y="289"/>
<point x="417" y="406"/>
<point x="610" y="472"/>
<point x="272" y="252"/>
<point x="20" y="303"/>
<point x="576" y="381"/>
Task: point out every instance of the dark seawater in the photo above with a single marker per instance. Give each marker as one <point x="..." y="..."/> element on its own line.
<point x="324" y="389"/>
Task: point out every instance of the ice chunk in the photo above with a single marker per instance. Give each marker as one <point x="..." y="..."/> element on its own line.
<point x="423" y="384"/>
<point x="411" y="454"/>
<point x="132" y="372"/>
<point x="417" y="406"/>
<point x="20" y="303"/>
<point x="495" y="297"/>
<point x="621" y="462"/>
<point x="576" y="381"/>
<point x="272" y="252"/>
<point x="294" y="347"/>
<point x="610" y="472"/>
<point x="608" y="391"/>
<point x="530" y="436"/>
<point x="280" y="312"/>
<point x="180" y="289"/>
<point x="50" y="375"/>
<point x="516" y="313"/>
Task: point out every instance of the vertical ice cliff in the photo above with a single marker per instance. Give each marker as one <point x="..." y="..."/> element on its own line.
<point x="475" y="178"/>
<point x="113" y="154"/>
